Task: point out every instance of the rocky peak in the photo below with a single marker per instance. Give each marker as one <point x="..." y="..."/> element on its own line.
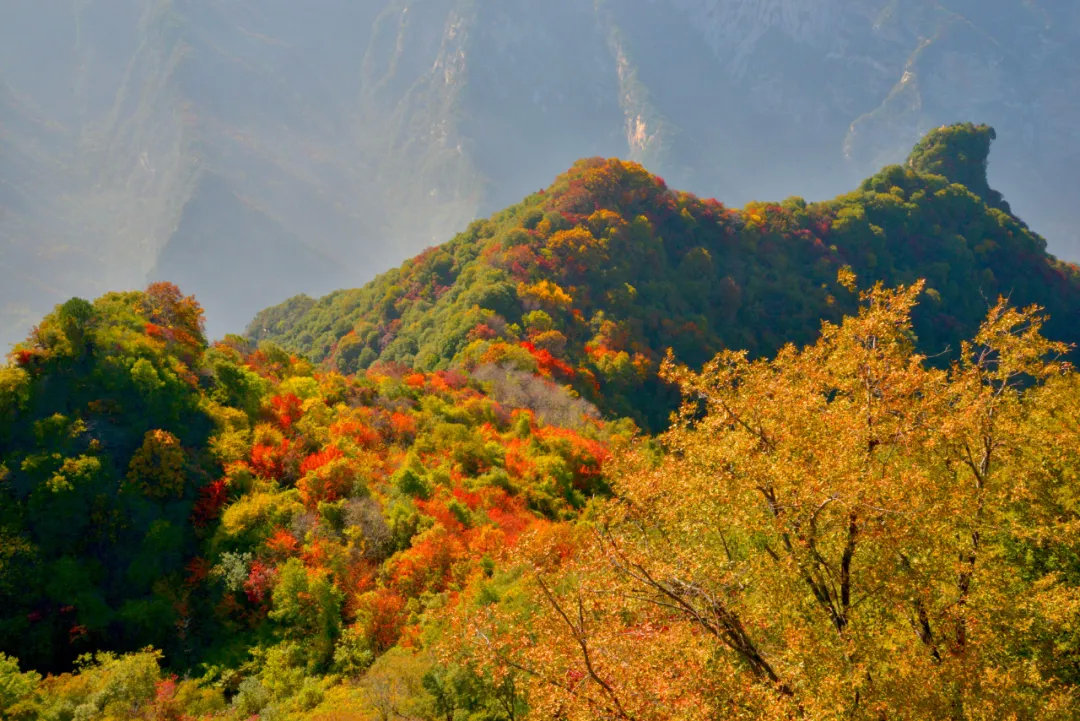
<point x="959" y="152"/>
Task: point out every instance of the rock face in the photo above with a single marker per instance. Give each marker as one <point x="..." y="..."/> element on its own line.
<point x="253" y="149"/>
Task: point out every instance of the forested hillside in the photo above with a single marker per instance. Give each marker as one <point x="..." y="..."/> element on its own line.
<point x="591" y="280"/>
<point x="457" y="494"/>
<point x="218" y="502"/>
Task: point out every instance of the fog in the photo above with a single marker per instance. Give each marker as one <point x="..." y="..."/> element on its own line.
<point x="250" y="150"/>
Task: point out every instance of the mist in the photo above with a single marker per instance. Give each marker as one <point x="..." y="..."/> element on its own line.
<point x="251" y="150"/>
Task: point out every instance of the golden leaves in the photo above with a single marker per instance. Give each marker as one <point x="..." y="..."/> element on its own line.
<point x="839" y="531"/>
<point x="157" y="468"/>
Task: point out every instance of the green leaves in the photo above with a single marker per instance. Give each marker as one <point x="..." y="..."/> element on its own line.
<point x="308" y="606"/>
<point x="16" y="690"/>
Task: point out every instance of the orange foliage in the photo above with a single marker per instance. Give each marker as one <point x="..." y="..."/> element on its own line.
<point x="402" y="424"/>
<point x="427" y="565"/>
<point x="439" y="509"/>
<point x="482" y="331"/>
<point x="174" y="318"/>
<point x="362" y="434"/>
<point x="382" y="617"/>
<point x="449" y="380"/>
<point x="469" y="498"/>
<point x="518" y="462"/>
<point x="319" y="459"/>
<point x="268" y="461"/>
<point x="329" y="481"/>
<point x="546" y="362"/>
<point x="287" y="409"/>
<point x="510" y="515"/>
<point x="317" y="555"/>
<point x="586" y="455"/>
<point x="283" y="543"/>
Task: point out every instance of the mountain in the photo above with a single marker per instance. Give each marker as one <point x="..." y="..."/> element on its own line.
<point x="283" y="149"/>
<point x="591" y="280"/>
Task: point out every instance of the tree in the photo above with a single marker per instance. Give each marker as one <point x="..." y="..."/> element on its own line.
<point x="838" y="532"/>
<point x="307" y="606"/>
<point x="157" y="468"/>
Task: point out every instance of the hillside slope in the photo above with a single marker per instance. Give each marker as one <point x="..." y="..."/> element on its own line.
<point x="151" y="487"/>
<point x="593" y="279"/>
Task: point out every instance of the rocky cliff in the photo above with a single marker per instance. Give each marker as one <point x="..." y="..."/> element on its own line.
<point x="253" y="149"/>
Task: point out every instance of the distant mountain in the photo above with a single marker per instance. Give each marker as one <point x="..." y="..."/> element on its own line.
<point x="590" y="281"/>
<point x="252" y="149"/>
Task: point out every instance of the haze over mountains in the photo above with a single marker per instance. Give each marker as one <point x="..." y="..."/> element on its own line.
<point x="253" y="149"/>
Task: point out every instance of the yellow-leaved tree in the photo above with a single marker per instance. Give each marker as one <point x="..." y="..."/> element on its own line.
<point x="157" y="468"/>
<point x="842" y="531"/>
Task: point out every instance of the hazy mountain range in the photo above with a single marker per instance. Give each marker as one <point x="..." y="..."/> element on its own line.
<point x="253" y="149"/>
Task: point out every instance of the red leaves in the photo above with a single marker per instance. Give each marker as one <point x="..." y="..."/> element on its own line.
<point x="320" y="459"/>
<point x="362" y="434"/>
<point x="197" y="569"/>
<point x="383" y="616"/>
<point x="174" y="318"/>
<point x="445" y="382"/>
<point x="428" y="565"/>
<point x="520" y="261"/>
<point x="518" y="463"/>
<point x="268" y="461"/>
<point x="165" y="690"/>
<point x="348" y="449"/>
<point x="469" y="498"/>
<point x="509" y="514"/>
<point x="23" y="357"/>
<point x="328" y="482"/>
<point x="482" y="331"/>
<point x="546" y="362"/>
<point x="586" y="455"/>
<point x="211" y="499"/>
<point x="403" y="425"/>
<point x="283" y="543"/>
<point x="439" y="510"/>
<point x="260" y="581"/>
<point x="287" y="409"/>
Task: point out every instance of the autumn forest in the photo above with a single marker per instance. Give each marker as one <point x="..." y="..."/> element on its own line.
<point x="615" y="452"/>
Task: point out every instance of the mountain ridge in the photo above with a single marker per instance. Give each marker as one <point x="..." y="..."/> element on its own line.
<point x="593" y="278"/>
